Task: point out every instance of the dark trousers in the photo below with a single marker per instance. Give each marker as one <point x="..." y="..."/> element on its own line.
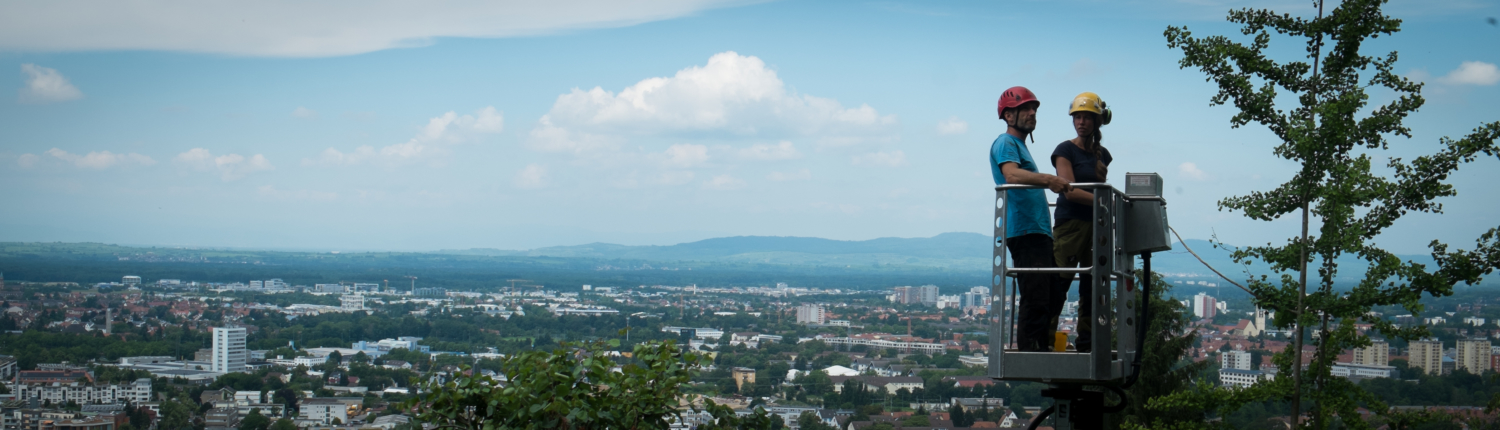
<point x="1037" y="291"/>
<point x="1072" y="246"/>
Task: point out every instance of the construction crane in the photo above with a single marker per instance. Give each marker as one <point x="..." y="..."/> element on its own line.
<point x="514" y="281"/>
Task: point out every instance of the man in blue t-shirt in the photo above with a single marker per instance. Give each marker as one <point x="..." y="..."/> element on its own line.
<point x="1028" y="228"/>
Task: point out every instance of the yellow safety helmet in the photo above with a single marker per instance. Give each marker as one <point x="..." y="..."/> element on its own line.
<point x="1090" y="102"/>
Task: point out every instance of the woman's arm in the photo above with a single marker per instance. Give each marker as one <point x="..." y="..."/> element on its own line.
<point x="1065" y="171"/>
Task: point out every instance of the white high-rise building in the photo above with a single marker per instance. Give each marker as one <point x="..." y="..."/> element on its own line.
<point x="352" y="302"/>
<point x="927" y="295"/>
<point x="1473" y="355"/>
<point x="229" y="350"/>
<point x="1235" y="360"/>
<point x="257" y="284"/>
<point x="810" y="314"/>
<point x="1205" y="306"/>
<point x="945" y="302"/>
<point x="976" y="297"/>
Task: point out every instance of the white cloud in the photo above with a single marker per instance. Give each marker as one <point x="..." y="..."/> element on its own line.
<point x="285" y="28"/>
<point x="547" y="137"/>
<point x="489" y="120"/>
<point x="724" y="182"/>
<point x="229" y="166"/>
<point x="44" y="85"/>
<point x="308" y="195"/>
<point x="731" y="96"/>
<point x="532" y="176"/>
<point x="952" y="125"/>
<point x="800" y="175"/>
<point x="93" y="160"/>
<point x="780" y="151"/>
<point x="439" y="133"/>
<point x="1191" y="170"/>
<point x="686" y="155"/>
<point x="304" y="113"/>
<point x="1472" y="73"/>
<point x="881" y="159"/>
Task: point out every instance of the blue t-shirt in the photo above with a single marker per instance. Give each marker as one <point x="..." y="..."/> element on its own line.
<point x="1025" y="210"/>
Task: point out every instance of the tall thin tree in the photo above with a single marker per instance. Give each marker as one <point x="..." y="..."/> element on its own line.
<point x="1334" y="134"/>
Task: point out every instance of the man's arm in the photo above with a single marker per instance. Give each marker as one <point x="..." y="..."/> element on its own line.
<point x="1016" y="175"/>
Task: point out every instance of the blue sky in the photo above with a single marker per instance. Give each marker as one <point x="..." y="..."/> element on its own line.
<point x="403" y="126"/>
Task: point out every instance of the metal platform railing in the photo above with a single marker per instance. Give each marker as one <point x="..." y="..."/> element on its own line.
<point x="1115" y="312"/>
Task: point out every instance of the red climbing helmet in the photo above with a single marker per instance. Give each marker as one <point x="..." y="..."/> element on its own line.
<point x="1015" y="97"/>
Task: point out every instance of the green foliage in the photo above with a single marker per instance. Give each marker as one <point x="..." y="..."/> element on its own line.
<point x="35" y="346"/>
<point x="1330" y="133"/>
<point x="574" y="386"/>
<point x="417" y="359"/>
<point x="959" y="418"/>
<point x="175" y="415"/>
<point x="1459" y="388"/>
<point x="255" y="421"/>
<point x="949" y="360"/>
<point x="284" y="424"/>
<point x="1165" y="367"/>
<point x="809" y="421"/>
<point x="816" y="383"/>
<point x="113" y="374"/>
<point x="854" y="393"/>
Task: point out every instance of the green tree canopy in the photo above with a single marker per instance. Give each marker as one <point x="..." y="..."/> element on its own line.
<point x="576" y="386"/>
<point x="1334" y="134"/>
<point x="175" y="415"/>
<point x="255" y="421"/>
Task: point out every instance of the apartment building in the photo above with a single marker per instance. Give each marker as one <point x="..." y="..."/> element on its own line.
<point x="1427" y="354"/>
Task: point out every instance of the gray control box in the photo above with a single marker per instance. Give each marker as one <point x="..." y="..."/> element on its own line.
<point x="1145" y="228"/>
<point x="1143" y="184"/>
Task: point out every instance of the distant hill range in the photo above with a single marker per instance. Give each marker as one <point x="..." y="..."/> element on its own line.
<point x="947" y="250"/>
<point x="953" y="251"/>
<point x="953" y="260"/>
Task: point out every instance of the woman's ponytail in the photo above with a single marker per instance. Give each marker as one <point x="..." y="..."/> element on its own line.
<point x="1096" y="147"/>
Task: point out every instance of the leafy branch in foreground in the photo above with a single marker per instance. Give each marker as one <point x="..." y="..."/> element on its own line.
<point x="576" y="386"/>
<point x="1331" y="133"/>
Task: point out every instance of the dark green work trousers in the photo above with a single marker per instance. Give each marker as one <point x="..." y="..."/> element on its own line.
<point x="1072" y="250"/>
